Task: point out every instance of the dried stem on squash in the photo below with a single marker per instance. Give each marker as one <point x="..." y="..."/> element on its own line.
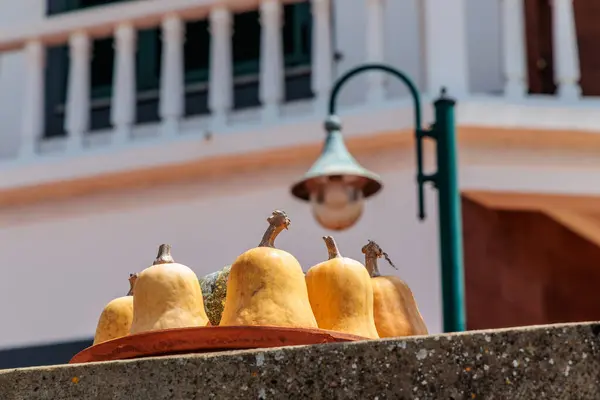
<point x="164" y="255"/>
<point x="132" y="279"/>
<point x="332" y="248"/>
<point x="372" y="252"/>
<point x="278" y="221"/>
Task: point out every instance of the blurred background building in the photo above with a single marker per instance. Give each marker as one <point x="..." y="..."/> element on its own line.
<point x="126" y="124"/>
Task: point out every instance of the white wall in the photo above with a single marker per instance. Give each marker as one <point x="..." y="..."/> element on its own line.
<point x="63" y="262"/>
<point x="402" y="44"/>
<point x="484" y="33"/>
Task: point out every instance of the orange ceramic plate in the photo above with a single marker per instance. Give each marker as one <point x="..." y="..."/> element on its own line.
<point x="206" y="339"/>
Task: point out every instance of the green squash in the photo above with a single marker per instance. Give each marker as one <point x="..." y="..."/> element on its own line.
<point x="214" y="291"/>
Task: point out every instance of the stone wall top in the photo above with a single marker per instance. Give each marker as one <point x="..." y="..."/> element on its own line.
<point x="553" y="362"/>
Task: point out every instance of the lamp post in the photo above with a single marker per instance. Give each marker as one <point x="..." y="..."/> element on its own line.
<point x="336" y="185"/>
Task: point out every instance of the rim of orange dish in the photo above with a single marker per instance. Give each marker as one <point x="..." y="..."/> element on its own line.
<point x="207" y="339"/>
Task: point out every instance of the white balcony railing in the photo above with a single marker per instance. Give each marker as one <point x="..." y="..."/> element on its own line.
<point x="121" y="21"/>
<point x="444" y="45"/>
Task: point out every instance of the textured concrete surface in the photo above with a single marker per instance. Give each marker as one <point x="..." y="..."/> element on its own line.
<point x="544" y="362"/>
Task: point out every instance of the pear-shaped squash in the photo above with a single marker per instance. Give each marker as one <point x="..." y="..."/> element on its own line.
<point x="115" y="320"/>
<point x="341" y="294"/>
<point x="214" y="291"/>
<point x="266" y="285"/>
<point x="167" y="295"/>
<point x="395" y="309"/>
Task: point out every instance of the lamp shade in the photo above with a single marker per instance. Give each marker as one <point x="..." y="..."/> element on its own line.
<point x="336" y="161"/>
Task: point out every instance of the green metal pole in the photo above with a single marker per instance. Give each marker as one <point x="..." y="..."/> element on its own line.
<point x="444" y="133"/>
<point x="449" y="213"/>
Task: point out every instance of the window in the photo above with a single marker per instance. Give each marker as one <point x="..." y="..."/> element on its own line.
<point x="246" y="56"/>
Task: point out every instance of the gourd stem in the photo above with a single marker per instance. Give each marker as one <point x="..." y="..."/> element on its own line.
<point x="132" y="279"/>
<point x="278" y="221"/>
<point x="372" y="252"/>
<point x="164" y="255"/>
<point x="332" y="248"/>
<point x="371" y="265"/>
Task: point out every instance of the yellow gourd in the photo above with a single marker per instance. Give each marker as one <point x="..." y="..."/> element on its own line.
<point x="341" y="294"/>
<point x="266" y="285"/>
<point x="115" y="320"/>
<point x="395" y="309"/>
<point x="167" y="295"/>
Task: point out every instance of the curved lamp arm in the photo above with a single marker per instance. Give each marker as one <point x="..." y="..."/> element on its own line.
<point x="419" y="133"/>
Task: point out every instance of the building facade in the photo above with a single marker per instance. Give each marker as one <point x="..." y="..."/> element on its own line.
<point x="126" y="124"/>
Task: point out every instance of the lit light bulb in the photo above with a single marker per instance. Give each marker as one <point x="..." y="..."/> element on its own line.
<point x="337" y="204"/>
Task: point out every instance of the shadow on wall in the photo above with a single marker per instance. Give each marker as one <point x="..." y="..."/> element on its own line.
<point x="49" y="354"/>
<point x="525" y="268"/>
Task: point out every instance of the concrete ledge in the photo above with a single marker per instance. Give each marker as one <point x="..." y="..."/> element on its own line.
<point x="545" y="362"/>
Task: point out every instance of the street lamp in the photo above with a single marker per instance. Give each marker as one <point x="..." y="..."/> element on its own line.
<point x="336" y="185"/>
